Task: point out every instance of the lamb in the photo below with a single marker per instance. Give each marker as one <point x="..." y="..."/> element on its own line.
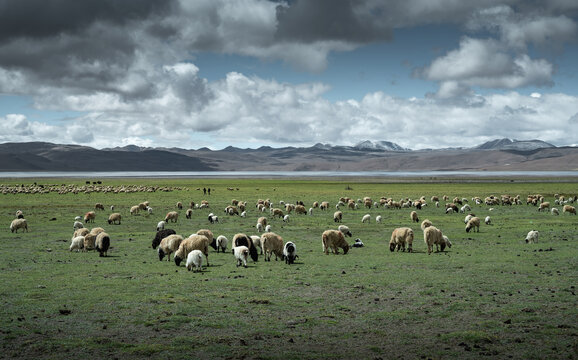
<point x="18" y="224"/>
<point x="89" y="216"/>
<point x="433" y="236"/>
<point x="290" y="252"/>
<point x="241" y="254"/>
<point x="259" y="227"/>
<point x="77" y="225"/>
<point x="172" y="215"/>
<point x="413" y="216"/>
<point x="220" y="243"/>
<point x="555" y="211"/>
<point x="160" y="235"/>
<point x="337" y="216"/>
<point x="474" y="224"/>
<point x="195" y="261"/>
<point x="113" y="218"/>
<point x="488" y="220"/>
<point x="161" y="225"/>
<point x="243" y="240"/>
<point x="169" y="245"/>
<point x="268" y="228"/>
<point x="532" y="236"/>
<point x="465" y="208"/>
<point x="400" y="237"/>
<point x="425" y="224"/>
<point x="334" y="239"/>
<point x="378" y="219"/>
<point x="213" y="218"/>
<point x="286" y="218"/>
<point x="272" y="244"/>
<point x="193" y="242"/>
<point x="366" y="218"/>
<point x="77" y="243"/>
<point x="569" y="209"/>
<point x="102" y="244"/>
<point x="345" y="230"/>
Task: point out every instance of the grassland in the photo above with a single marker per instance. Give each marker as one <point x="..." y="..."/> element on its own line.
<point x="490" y="295"/>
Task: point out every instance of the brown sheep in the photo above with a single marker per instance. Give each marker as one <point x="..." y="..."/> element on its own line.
<point x="193" y="242"/>
<point x="334" y="239"/>
<point x="473" y="223"/>
<point x="433" y="236"/>
<point x="400" y="237"/>
<point x="413" y="216"/>
<point x="569" y="209"/>
<point x="272" y="244"/>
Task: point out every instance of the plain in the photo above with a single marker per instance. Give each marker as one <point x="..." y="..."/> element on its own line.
<point x="489" y="295"/>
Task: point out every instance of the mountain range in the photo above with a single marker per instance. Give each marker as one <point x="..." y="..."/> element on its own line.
<point x="495" y="155"/>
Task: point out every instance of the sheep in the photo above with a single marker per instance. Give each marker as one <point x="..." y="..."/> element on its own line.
<point x="400" y="237"/>
<point x="19" y="214"/>
<point x="259" y="227"/>
<point x="220" y="243"/>
<point x="111" y="207"/>
<point x="366" y="218"/>
<point x="89" y="241"/>
<point x="257" y="242"/>
<point x="474" y="224"/>
<point x="357" y="243"/>
<point x="555" y="211"/>
<point x="18" y="224"/>
<point x="195" y="261"/>
<point x="77" y="225"/>
<point x="543" y="206"/>
<point x="290" y="252"/>
<point x="169" y="245"/>
<point x="468" y="217"/>
<point x="433" y="236"/>
<point x="189" y="214"/>
<point x="161" y="225"/>
<point x="413" y="216"/>
<point x="272" y="244"/>
<point x="310" y="212"/>
<point x="77" y="243"/>
<point x="213" y="218"/>
<point x="193" y="242"/>
<point x="324" y="205"/>
<point x="241" y="254"/>
<point x="532" y="236"/>
<point x="89" y="216"/>
<point x="378" y="219"/>
<point x="208" y="233"/>
<point x="98" y="206"/>
<point x="465" y="208"/>
<point x="134" y="210"/>
<point x="268" y="228"/>
<point x="80" y="232"/>
<point x="160" y="235"/>
<point x="425" y="224"/>
<point x="569" y="209"/>
<point x="488" y="220"/>
<point x="180" y="205"/>
<point x="337" y="216"/>
<point x="243" y="214"/>
<point x="102" y="244"/>
<point x="78" y="218"/>
<point x="286" y="218"/>
<point x="300" y="209"/>
<point x="345" y="230"/>
<point x="447" y="242"/>
<point x="277" y="212"/>
<point x="96" y="230"/>
<point x="113" y="218"/>
<point x="172" y="215"/>
<point x="241" y="239"/>
<point x="263" y="221"/>
<point x="334" y="239"/>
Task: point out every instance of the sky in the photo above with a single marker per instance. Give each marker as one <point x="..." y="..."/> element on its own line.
<point x="249" y="73"/>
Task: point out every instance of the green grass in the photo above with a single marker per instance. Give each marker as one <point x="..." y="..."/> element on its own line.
<point x="490" y="295"/>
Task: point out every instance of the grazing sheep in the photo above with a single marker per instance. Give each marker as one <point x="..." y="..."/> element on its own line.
<point x="259" y="227"/>
<point x="180" y="205"/>
<point x="286" y="218"/>
<point x="337" y="216"/>
<point x="400" y="237"/>
<point x="241" y="254"/>
<point x="213" y="218"/>
<point x="20" y="214"/>
<point x="89" y="216"/>
<point x="345" y="230"/>
<point x="96" y="230"/>
<point x="433" y="236"/>
<point x="555" y="211"/>
<point x="169" y="245"/>
<point x="134" y="210"/>
<point x="268" y="228"/>
<point x="102" y="244"/>
<point x="172" y="215"/>
<point x="89" y="241"/>
<point x="425" y="224"/>
<point x="532" y="236"/>
<point x="262" y="220"/>
<point x="220" y="243"/>
<point x="488" y="220"/>
<point x="447" y="242"/>
<point x="98" y="206"/>
<point x="77" y="243"/>
<point x="113" y="218"/>
<point x="290" y="252"/>
<point x="413" y="216"/>
<point x="366" y="218"/>
<point x="77" y="225"/>
<point x="18" y="224"/>
<point x="111" y="207"/>
<point x="243" y="214"/>
<point x="208" y="233"/>
<point x="189" y="214"/>
<point x="465" y="208"/>
<point x="241" y="239"/>
<point x="378" y="219"/>
<point x="76" y="219"/>
<point x="468" y="218"/>
<point x="474" y="224"/>
<point x="160" y="235"/>
<point x="257" y="243"/>
<point x="193" y="242"/>
<point x="272" y="244"/>
<point x="80" y="232"/>
<point x="569" y="209"/>
<point x="334" y="239"/>
<point x="543" y="206"/>
<point x="195" y="261"/>
<point x="161" y="225"/>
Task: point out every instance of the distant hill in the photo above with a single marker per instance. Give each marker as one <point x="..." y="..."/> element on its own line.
<point x="499" y="154"/>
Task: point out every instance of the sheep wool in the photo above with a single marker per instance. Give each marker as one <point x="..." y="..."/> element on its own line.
<point x="400" y="237"/>
<point x="532" y="236"/>
<point x="195" y="261"/>
<point x="334" y="239"/>
<point x="366" y="218"/>
<point x="473" y="223"/>
<point x="433" y="236"/>
<point x="160" y="235"/>
<point x="102" y="244"/>
<point x="272" y="244"/>
<point x="193" y="242"/>
<point x="77" y="243"/>
<point x="241" y="254"/>
<point x="18" y="224"/>
<point x="241" y="239"/>
<point x="114" y="218"/>
<point x="169" y="245"/>
<point x="220" y="243"/>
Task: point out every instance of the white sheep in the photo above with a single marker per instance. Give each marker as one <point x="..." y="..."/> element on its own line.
<point x="488" y="220"/>
<point x="114" y="218"/>
<point x="169" y="245"/>
<point x="243" y="214"/>
<point x="310" y="212"/>
<point x="77" y="243"/>
<point x="257" y="242"/>
<point x="268" y="228"/>
<point x="345" y="230"/>
<point x="213" y="219"/>
<point x="220" y="243"/>
<point x="289" y="252"/>
<point x="474" y="224"/>
<point x="272" y="244"/>
<point x="78" y="218"/>
<point x="259" y="227"/>
<point x="111" y="207"/>
<point x="338" y="216"/>
<point x="334" y="239"/>
<point x="465" y="208"/>
<point x="77" y="225"/>
<point x="18" y="224"/>
<point x="532" y="236"/>
<point x="366" y="218"/>
<point x="433" y="236"/>
<point x="400" y="237"/>
<point x="195" y="261"/>
<point x="161" y="225"/>
<point x="193" y="242"/>
<point x="555" y="211"/>
<point x="241" y="254"/>
<point x="20" y="214"/>
<point x="446" y="241"/>
<point x="468" y="217"/>
<point x="378" y="219"/>
<point x="286" y="218"/>
<point x="241" y="239"/>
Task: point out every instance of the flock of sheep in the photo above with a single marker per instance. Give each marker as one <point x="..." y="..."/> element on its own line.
<point x="194" y="248"/>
